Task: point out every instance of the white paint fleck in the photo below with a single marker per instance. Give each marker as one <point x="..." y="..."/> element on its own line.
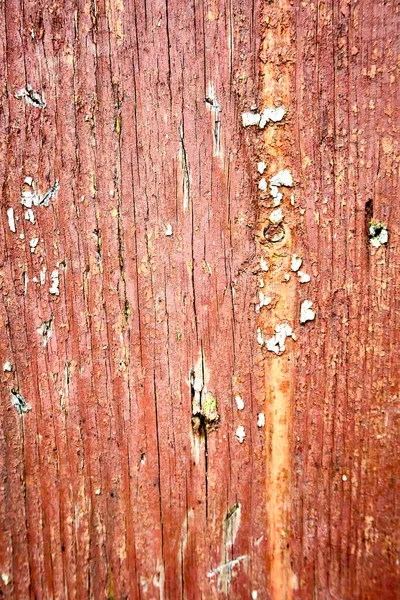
<point x="263" y="301"/>
<point x="262" y="185"/>
<point x="254" y="595"/>
<point x="239" y="402"/>
<point x="29" y="216"/>
<point x="240" y="433"/>
<point x="7" y="366"/>
<point x="260" y="338"/>
<point x="271" y="114"/>
<point x="42" y="276"/>
<point x="51" y="193"/>
<point x="28" y="181"/>
<point x="276" y="195"/>
<point x="261" y="167"/>
<point x="11" y="221"/>
<point x="22" y="236"/>
<point x="303" y="277"/>
<point x="344" y="478"/>
<point x="54" y="283"/>
<point x="276" y="343"/>
<point x="261" y="283"/>
<point x="249" y="119"/>
<point x="97" y="492"/>
<point x="286" y="277"/>
<point x="284" y="178"/>
<point x="6" y="578"/>
<point x="168" y="230"/>
<point x="263" y="264"/>
<point x="378" y="234"/>
<point x="292" y="199"/>
<point x="261" y="420"/>
<point x="276" y="216"/>
<point x="306" y="312"/>
<point x="296" y="262"/>
<point x="33" y="243"/>
<point x="31" y="96"/>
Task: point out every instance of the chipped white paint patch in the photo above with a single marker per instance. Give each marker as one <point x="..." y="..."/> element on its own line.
<point x="261" y="283"/>
<point x="31" y="96"/>
<point x="344" y="477"/>
<point x="378" y="234"/>
<point x="5" y="578"/>
<point x="212" y="104"/>
<point x="276" y="195"/>
<point x="239" y="402"/>
<point x="29" y="216"/>
<point x="50" y="194"/>
<point x="273" y="115"/>
<point x="296" y="262"/>
<point x="264" y="301"/>
<point x="276" y="343"/>
<point x="262" y="185"/>
<point x="33" y="243"/>
<point x="7" y="366"/>
<point x="240" y="434"/>
<point x="249" y="119"/>
<point x="263" y="264"/>
<point x="260" y="338"/>
<point x="261" y="166"/>
<point x="283" y="178"/>
<point x="286" y="277"/>
<point x="254" y="595"/>
<point x="276" y="216"/>
<point x="29" y="197"/>
<point x="11" y="220"/>
<point x="55" y="282"/>
<point x="303" y="277"/>
<point x="306" y="312"/>
<point x="45" y="330"/>
<point x="168" y="230"/>
<point x="261" y="420"/>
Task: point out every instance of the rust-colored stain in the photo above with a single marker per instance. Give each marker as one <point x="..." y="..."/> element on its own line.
<point x="169" y="428"/>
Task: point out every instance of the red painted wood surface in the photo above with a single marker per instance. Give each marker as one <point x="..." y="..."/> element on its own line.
<point x="110" y="486"/>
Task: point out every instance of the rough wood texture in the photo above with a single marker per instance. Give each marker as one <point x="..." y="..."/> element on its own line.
<point x="126" y="479"/>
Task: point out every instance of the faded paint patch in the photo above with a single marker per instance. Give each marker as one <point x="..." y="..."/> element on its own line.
<point x="230" y="529"/>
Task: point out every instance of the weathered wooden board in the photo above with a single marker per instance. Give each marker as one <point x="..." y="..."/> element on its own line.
<point x="131" y="324"/>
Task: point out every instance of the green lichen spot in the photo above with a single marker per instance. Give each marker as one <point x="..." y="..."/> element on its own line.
<point x="210" y="410"/>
